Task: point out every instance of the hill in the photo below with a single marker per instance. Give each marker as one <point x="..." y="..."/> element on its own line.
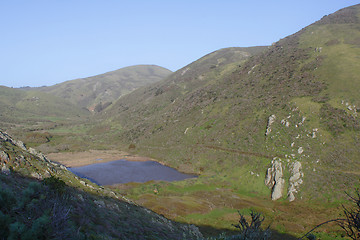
<point x="287" y="117"/>
<point x="97" y="92"/>
<point x="307" y="81"/>
<point x="30" y="109"/>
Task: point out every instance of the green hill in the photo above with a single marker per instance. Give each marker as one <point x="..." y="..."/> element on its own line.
<point x="292" y="107"/>
<point x="309" y="81"/>
<point x="19" y="109"/>
<point x="98" y="92"/>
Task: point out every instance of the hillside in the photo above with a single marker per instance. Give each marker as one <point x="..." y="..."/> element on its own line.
<point x="98" y="92"/>
<point x="20" y="109"/>
<point x="289" y="111"/>
<point x="40" y="199"/>
<point x="309" y="81"/>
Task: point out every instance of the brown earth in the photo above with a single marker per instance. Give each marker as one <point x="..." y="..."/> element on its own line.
<point x="78" y="159"/>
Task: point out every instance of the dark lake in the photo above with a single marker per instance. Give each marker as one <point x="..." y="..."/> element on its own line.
<point x="122" y="171"/>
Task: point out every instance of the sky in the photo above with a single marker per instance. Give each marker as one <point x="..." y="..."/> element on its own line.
<point x="44" y="42"/>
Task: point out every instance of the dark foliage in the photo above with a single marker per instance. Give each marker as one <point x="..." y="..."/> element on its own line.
<point x="252" y="229"/>
<point x="351" y="224"/>
<point x="346" y="15"/>
<point x="337" y="120"/>
<point x="55" y="184"/>
<point x="33" y="214"/>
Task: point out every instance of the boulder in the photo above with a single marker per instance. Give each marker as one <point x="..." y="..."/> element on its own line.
<point x="4" y="157"/>
<point x="5" y="170"/>
<point x="274" y="179"/>
<point x="271" y="120"/>
<point x="294" y="180"/>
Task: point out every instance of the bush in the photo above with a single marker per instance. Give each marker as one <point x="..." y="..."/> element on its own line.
<point x="29" y="194"/>
<point x="55" y="184"/>
<point x="4" y="223"/>
<point x="248" y="230"/>
<point x="351" y="224"/>
<point x="7" y="200"/>
<point x="253" y="229"/>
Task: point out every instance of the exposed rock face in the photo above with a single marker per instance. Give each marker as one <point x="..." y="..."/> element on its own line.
<point x="4" y="157"/>
<point x="294" y="180"/>
<point x="274" y="179"/>
<point x="271" y="120"/>
<point x="5" y="170"/>
<point x="47" y="167"/>
<point x="4" y="136"/>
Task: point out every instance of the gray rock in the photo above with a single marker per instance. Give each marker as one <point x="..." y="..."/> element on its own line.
<point x="4" y="157"/>
<point x="5" y="170"/>
<point x="294" y="180"/>
<point x="274" y="179"/>
<point x="36" y="175"/>
<point x="300" y="150"/>
<point x="100" y="203"/>
<point x="271" y="120"/>
<point x="20" y="144"/>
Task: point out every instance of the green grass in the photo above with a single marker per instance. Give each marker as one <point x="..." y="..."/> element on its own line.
<point x="339" y="68"/>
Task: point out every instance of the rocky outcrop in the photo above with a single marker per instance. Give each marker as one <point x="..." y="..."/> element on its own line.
<point x="36" y="169"/>
<point x="271" y="120"/>
<point x="4" y="157"/>
<point x="274" y="179"/>
<point x="7" y="138"/>
<point x="295" y="180"/>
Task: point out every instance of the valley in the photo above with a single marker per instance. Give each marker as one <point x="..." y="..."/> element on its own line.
<point x="273" y="129"/>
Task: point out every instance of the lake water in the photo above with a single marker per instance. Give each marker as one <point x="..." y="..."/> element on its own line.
<point x="122" y="171"/>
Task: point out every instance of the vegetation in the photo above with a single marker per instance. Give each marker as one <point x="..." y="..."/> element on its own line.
<point x="98" y="92"/>
<point x="62" y="206"/>
<point x="248" y="230"/>
<point x="211" y="117"/>
<point x="351" y="224"/>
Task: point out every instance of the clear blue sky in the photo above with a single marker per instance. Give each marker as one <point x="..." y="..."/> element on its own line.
<point x="44" y="42"/>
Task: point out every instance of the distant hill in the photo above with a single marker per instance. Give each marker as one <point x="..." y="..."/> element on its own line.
<point x="20" y="108"/>
<point x="97" y="92"/>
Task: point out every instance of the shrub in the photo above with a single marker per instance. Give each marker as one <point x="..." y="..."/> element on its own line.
<point x="7" y="200"/>
<point x="16" y="230"/>
<point x="4" y="223"/>
<point x="55" y="184"/>
<point x="351" y="224"/>
<point x="253" y="229"/>
<point x="39" y="229"/>
<point x="248" y="230"/>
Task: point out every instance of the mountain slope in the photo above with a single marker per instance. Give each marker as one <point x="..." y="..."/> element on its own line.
<point x="187" y="83"/>
<point x="29" y="108"/>
<point x="296" y="101"/>
<point x="97" y="92"/>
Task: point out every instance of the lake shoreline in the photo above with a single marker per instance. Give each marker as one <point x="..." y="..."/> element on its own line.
<point x="80" y="159"/>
